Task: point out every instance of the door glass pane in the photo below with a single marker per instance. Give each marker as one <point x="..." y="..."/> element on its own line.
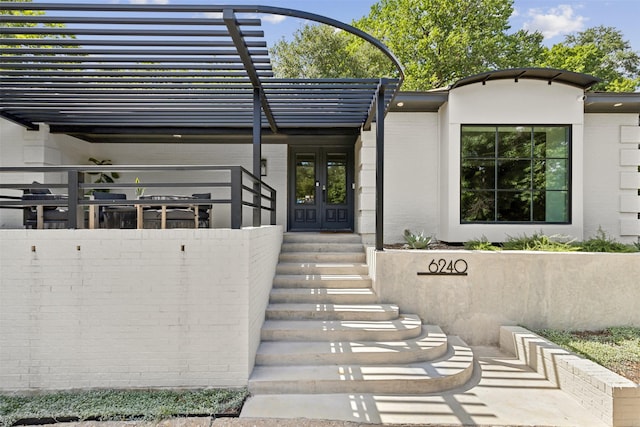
<point x="305" y="179"/>
<point x="337" y="178"/>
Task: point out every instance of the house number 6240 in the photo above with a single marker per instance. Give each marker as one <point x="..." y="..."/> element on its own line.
<point x="443" y="267"/>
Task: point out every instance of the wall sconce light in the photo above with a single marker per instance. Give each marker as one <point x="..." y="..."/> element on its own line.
<point x="263" y="167"/>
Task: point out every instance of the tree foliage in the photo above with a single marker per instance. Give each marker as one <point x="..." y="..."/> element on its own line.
<point x="21" y="25"/>
<point x="601" y="52"/>
<point x="321" y="51"/>
<point x="441" y="41"/>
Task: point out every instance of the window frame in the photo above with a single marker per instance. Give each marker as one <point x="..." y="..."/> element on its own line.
<point x="496" y="159"/>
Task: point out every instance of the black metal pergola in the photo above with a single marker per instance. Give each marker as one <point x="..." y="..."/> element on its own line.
<point x="126" y="72"/>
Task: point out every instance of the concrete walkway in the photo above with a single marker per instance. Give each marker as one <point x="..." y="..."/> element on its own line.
<point x="504" y="392"/>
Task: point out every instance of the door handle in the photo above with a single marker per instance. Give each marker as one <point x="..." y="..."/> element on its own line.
<point x="324" y="193"/>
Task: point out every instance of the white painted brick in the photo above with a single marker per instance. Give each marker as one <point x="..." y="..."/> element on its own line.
<point x="630" y="134"/>
<point x="630" y="203"/>
<point x="130" y="309"/>
<point x="629" y="180"/>
<point x="629" y="157"/>
<point x="630" y="227"/>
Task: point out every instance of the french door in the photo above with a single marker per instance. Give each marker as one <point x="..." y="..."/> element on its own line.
<point x="321" y="188"/>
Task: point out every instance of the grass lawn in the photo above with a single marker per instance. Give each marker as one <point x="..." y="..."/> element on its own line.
<point x="617" y="348"/>
<point x="120" y="404"/>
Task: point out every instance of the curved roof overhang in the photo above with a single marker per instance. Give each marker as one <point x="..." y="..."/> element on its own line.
<point x="121" y="72"/>
<point x="595" y="102"/>
<point x="550" y="75"/>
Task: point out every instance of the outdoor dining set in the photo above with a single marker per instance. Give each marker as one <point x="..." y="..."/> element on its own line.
<point x="114" y="211"/>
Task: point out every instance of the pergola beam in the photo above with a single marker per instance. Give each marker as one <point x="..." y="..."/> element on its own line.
<point x="229" y="18"/>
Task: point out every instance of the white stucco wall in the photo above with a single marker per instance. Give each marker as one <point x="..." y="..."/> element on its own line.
<point x="411" y="178"/>
<point x="131" y="308"/>
<point x="509" y="102"/>
<point x="611" y="178"/>
<point x="581" y="291"/>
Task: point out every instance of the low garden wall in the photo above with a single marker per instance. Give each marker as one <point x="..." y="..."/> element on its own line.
<point x="472" y="293"/>
<point x="132" y="308"/>
<point x="608" y="396"/>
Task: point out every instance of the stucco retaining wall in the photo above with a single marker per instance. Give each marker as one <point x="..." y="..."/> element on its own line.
<point x="532" y="289"/>
<point x="132" y="308"/>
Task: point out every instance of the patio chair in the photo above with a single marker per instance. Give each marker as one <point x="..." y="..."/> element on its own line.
<point x="114" y="216"/>
<point x="39" y="216"/>
<point x="204" y="211"/>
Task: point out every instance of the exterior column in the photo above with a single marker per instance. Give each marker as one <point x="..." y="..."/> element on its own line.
<point x="380" y="166"/>
<point x="257" y="155"/>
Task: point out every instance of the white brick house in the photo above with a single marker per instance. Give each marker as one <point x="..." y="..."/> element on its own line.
<point x="423" y="158"/>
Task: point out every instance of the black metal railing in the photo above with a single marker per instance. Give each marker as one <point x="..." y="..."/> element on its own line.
<point x="72" y="186"/>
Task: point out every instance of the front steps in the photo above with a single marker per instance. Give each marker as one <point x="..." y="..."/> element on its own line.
<point x="325" y="331"/>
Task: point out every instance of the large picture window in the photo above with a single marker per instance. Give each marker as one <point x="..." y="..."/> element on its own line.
<point x="515" y="174"/>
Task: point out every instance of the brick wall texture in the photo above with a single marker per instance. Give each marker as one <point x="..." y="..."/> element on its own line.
<point x="132" y="308"/>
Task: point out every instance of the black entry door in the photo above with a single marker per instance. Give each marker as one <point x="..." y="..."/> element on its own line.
<point x="321" y="188"/>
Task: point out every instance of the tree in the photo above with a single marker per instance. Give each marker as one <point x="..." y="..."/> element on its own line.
<point x="437" y="41"/>
<point x="601" y="52"/>
<point x="22" y="25"/>
<point x="321" y="51"/>
<point x="441" y="41"/>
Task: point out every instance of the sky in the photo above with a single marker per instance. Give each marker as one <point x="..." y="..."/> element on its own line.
<point x="553" y="18"/>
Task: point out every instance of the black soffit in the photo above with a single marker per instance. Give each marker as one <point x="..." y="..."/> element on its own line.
<point x="125" y="68"/>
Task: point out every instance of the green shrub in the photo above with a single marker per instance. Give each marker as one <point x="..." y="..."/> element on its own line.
<point x="417" y="241"/>
<point x="541" y="242"/>
<point x="481" y="244"/>
<point x="602" y="243"/>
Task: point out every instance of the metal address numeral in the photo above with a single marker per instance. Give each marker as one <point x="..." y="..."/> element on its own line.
<point x="442" y="267"/>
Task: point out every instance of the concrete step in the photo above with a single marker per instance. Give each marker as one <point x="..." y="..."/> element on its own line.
<point x="300" y="311"/>
<point x="307" y="268"/>
<point x="405" y="327"/>
<point x="322" y="281"/>
<point x="322" y="238"/>
<point x="450" y="372"/>
<point x="355" y="257"/>
<point x="322" y="247"/>
<point x="430" y="345"/>
<point x="323" y="295"/>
